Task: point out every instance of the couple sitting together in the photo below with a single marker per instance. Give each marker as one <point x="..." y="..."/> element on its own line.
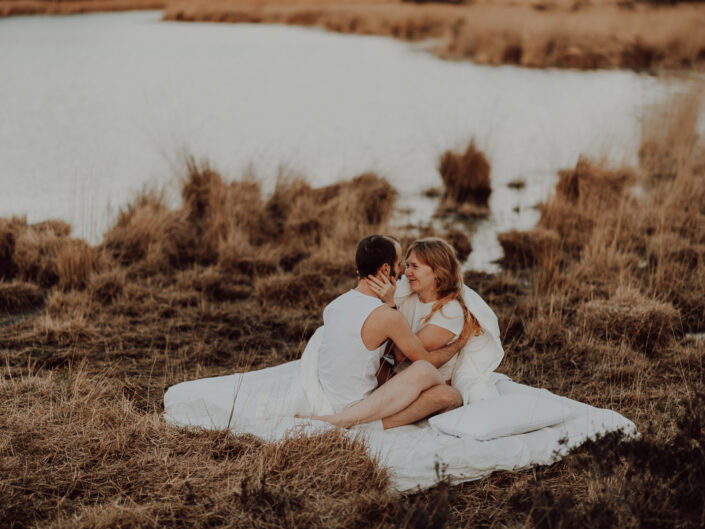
<point x="389" y="349"/>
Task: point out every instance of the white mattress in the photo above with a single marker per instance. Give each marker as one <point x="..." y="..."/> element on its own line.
<point x="263" y="402"/>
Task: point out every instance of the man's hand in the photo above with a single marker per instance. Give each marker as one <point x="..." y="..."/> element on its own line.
<point x="383" y="286"/>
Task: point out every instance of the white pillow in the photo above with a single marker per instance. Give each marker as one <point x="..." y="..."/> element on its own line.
<point x="500" y="416"/>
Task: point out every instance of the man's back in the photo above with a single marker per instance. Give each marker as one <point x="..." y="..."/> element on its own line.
<point x="347" y="368"/>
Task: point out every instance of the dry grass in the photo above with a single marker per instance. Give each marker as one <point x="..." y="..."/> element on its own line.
<point x="536" y="34"/>
<point x="70" y="7"/>
<point x="113" y="465"/>
<point x="18" y="296"/>
<point x="466" y="175"/>
<point x="528" y="248"/>
<point x="233" y="280"/>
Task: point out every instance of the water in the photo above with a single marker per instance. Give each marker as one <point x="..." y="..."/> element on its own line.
<point x="95" y="107"/>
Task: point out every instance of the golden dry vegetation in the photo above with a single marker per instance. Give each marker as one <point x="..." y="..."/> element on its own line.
<point x="584" y="36"/>
<point x="538" y="34"/>
<point x="70" y="7"/>
<point x="599" y="303"/>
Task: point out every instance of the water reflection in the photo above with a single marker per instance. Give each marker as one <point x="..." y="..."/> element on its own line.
<point x="98" y="105"/>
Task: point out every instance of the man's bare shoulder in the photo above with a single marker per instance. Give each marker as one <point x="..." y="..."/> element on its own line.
<point x="385" y="315"/>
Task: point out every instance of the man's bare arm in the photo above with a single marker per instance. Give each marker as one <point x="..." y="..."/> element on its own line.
<point x="394" y="326"/>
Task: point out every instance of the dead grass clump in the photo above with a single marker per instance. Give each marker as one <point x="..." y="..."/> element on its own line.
<point x="375" y="194"/>
<point x="56" y="227"/>
<point x="669" y="142"/>
<point x="460" y="242"/>
<point x="35" y="256"/>
<point x="629" y="315"/>
<point x="466" y="175"/>
<point x="19" y="296"/>
<point x="30" y="251"/>
<point x="106" y="287"/>
<point x="306" y="289"/>
<point x="591" y="182"/>
<point x="218" y="286"/>
<point x="671" y="247"/>
<point x="149" y="234"/>
<point x="328" y="220"/>
<point x="63" y="331"/>
<point x="547" y="329"/>
<point x="525" y="249"/>
<point x="219" y="210"/>
<point x="75" y="262"/>
<point x="248" y="266"/>
<point x="9" y="231"/>
<point x="583" y="195"/>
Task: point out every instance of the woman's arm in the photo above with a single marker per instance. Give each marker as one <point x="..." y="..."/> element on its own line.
<point x="432" y="337"/>
<point x="395" y="327"/>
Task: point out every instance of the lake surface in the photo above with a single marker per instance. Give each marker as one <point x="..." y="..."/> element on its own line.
<point x="95" y="107"/>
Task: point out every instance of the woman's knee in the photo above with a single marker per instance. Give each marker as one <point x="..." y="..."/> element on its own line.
<point x="449" y="397"/>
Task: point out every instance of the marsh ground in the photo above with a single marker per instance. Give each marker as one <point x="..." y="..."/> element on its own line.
<point x="602" y="302"/>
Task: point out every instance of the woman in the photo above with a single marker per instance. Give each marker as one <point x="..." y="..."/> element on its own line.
<point x="430" y="297"/>
<point x="437" y="314"/>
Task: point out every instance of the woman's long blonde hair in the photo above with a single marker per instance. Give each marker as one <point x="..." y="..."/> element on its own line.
<point x="440" y="256"/>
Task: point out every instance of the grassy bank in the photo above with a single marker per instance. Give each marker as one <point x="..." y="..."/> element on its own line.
<point x="582" y="35"/>
<point x="540" y="36"/>
<point x="70" y="7"/>
<point x="596" y="303"/>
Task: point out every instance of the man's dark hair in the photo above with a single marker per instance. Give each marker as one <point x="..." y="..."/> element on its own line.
<point x="372" y="252"/>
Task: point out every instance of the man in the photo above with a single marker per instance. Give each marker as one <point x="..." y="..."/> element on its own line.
<point x="357" y="327"/>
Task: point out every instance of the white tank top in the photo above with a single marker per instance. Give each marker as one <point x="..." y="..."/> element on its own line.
<point x="346" y="367"/>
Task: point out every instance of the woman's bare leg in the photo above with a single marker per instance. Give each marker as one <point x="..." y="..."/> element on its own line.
<point x="390" y="398"/>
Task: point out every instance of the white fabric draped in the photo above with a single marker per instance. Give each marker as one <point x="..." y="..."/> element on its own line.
<point x="264" y="402"/>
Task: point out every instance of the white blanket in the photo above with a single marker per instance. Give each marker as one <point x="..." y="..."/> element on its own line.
<point x="263" y="403"/>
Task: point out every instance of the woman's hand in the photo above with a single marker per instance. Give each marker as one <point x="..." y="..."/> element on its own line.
<point x="383" y="287"/>
<point x="398" y="355"/>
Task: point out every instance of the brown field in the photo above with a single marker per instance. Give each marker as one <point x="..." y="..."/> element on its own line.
<point x="597" y="303"/>
<point x="537" y="34"/>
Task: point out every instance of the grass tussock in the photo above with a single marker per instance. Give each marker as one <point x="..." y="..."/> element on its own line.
<point x="529" y="248"/>
<point x="460" y="242"/>
<point x="598" y="303"/>
<point x="45" y="254"/>
<point x="466" y="175"/>
<point x="629" y="314"/>
<point x="19" y="296"/>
